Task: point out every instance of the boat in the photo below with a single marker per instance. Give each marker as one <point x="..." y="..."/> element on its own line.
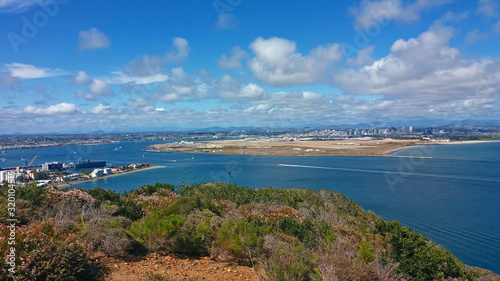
<point x="4" y="160"/>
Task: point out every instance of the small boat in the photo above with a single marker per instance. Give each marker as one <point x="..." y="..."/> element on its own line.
<point x="4" y="160"/>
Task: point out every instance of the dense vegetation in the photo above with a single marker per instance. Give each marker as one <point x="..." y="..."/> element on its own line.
<point x="286" y="234"/>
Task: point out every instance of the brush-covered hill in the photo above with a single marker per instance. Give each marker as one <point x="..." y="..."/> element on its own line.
<point x="277" y="234"/>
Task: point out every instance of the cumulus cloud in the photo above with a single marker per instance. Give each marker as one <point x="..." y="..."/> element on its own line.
<point x="58" y="109"/>
<point x="9" y="81"/>
<point x="82" y="79"/>
<point x="277" y="63"/>
<point x="234" y="61"/>
<point x="149" y="69"/>
<point x="92" y="39"/>
<point x="96" y="87"/>
<point x="363" y="57"/>
<point x="28" y="71"/>
<point x="424" y="68"/>
<point x="229" y="88"/>
<point x="370" y="12"/>
<point x="488" y="8"/>
<point x="180" y="51"/>
<point x="16" y="6"/>
<point x="180" y="86"/>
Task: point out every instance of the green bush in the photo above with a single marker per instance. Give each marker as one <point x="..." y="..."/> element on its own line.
<point x="107" y="235"/>
<point x="365" y="251"/>
<point x="418" y="257"/>
<point x="60" y="261"/>
<point x="102" y="195"/>
<point x="29" y="192"/>
<point x="129" y="208"/>
<point x="153" y="230"/>
<point x="308" y="231"/>
<point x="150" y="189"/>
<point x="285" y="261"/>
<point x="243" y="238"/>
<point x="197" y="234"/>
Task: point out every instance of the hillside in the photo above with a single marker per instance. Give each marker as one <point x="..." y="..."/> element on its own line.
<point x="215" y="231"/>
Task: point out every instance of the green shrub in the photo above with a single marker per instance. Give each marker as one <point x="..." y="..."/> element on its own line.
<point x="60" y="261"/>
<point x="243" y="238"/>
<point x="102" y="195"/>
<point x="188" y="204"/>
<point x="129" y="208"/>
<point x="108" y="235"/>
<point x="311" y="233"/>
<point x="150" y="189"/>
<point x="365" y="251"/>
<point x="29" y="192"/>
<point x="197" y="234"/>
<point x="284" y="261"/>
<point x="418" y="257"/>
<point x="153" y="230"/>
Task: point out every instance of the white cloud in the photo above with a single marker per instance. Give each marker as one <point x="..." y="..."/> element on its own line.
<point x="229" y="88"/>
<point x="92" y="39"/>
<point x="96" y="87"/>
<point x="234" y="61"/>
<point x="180" y="52"/>
<point x="371" y="12"/>
<point x="16" y="6"/>
<point x="424" y="68"/>
<point x="363" y="57"/>
<point x="100" y="109"/>
<point x="488" y="8"/>
<point x="28" y="71"/>
<point x="82" y="79"/>
<point x="277" y="63"/>
<point x="100" y="87"/>
<point x="122" y="78"/>
<point x="58" y="109"/>
<point x="149" y="69"/>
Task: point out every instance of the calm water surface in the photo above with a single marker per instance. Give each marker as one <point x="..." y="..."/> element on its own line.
<point x="453" y="197"/>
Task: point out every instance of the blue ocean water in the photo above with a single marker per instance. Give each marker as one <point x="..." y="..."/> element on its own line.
<point x="452" y="197"/>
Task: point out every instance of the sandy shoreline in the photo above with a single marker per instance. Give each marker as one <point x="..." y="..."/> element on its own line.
<point x="73" y="183"/>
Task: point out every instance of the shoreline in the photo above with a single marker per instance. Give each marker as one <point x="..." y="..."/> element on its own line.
<point x="390" y="152"/>
<point x="348" y="147"/>
<point x="71" y="184"/>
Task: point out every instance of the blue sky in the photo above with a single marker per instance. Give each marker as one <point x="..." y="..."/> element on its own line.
<point x="77" y="66"/>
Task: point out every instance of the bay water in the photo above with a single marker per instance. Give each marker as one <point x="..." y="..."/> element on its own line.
<point x="450" y="193"/>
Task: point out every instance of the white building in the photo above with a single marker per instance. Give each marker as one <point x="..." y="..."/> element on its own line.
<point x="107" y="171"/>
<point x="14" y="177"/>
<point x="97" y="173"/>
<point x="4" y="176"/>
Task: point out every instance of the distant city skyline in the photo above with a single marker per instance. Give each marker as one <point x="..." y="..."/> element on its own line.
<point x="80" y="66"/>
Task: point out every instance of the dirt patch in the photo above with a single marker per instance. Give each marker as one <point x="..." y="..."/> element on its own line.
<point x="176" y="268"/>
